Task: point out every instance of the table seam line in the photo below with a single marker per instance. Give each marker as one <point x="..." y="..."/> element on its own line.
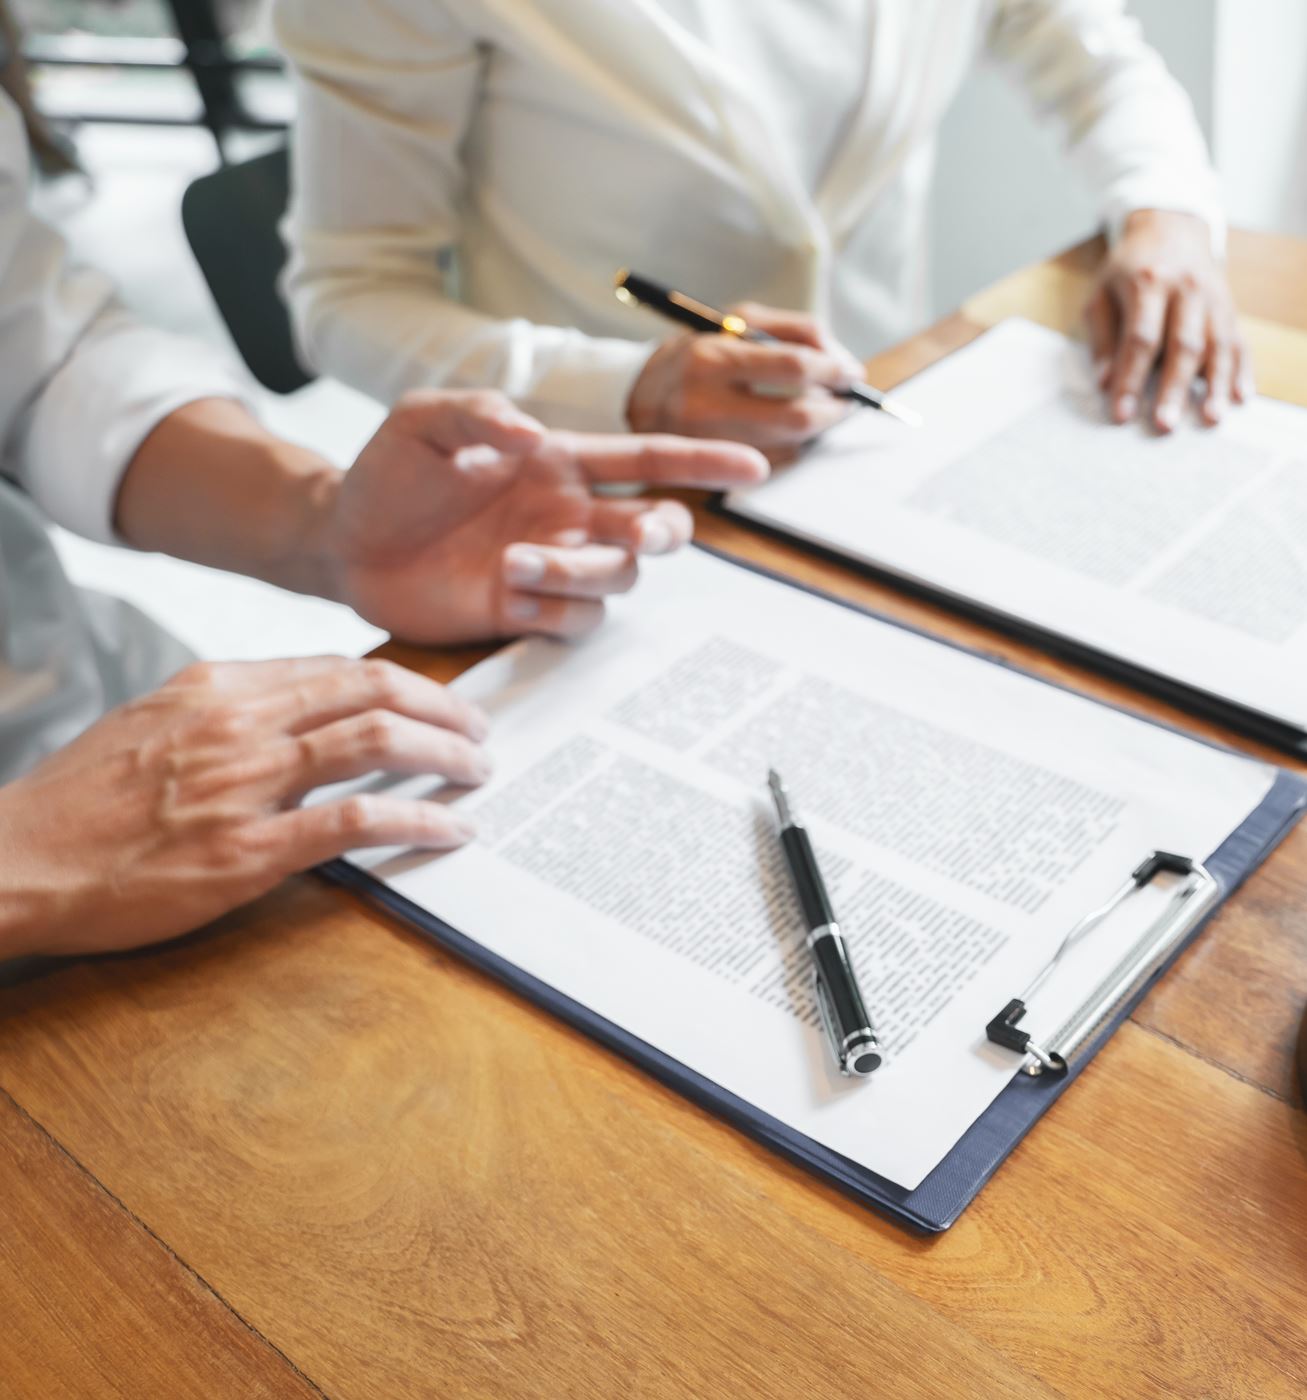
<point x="194" y="1273"/>
<point x="1214" y="1063"/>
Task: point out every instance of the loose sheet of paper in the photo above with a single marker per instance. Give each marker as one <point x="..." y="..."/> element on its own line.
<point x="1184" y="554"/>
<point x="965" y="817"/>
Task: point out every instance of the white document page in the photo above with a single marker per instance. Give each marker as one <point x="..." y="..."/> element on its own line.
<point x="1184" y="554"/>
<point x="965" y="816"/>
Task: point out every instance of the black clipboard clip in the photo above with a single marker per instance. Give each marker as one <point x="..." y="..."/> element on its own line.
<point x="1191" y="901"/>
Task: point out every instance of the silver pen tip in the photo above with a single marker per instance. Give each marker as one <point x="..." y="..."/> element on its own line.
<point x="902" y="412"/>
<point x="780" y="795"/>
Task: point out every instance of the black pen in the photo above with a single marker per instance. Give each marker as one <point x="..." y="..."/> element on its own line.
<point x="852" y="1037"/>
<point x="634" y="290"/>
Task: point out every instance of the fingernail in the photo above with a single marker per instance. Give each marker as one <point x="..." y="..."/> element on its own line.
<point x="1126" y="407"/>
<point x="655" y="535"/>
<point x="522" y="564"/>
<point x="1214" y="411"/>
<point x="1102" y="372"/>
<point x="1168" y="415"/>
<point x="476" y="724"/>
<point x="514" y="418"/>
<point x="461" y="831"/>
<point x="482" y="765"/>
<point x="523" y="609"/>
<point x="569" y="539"/>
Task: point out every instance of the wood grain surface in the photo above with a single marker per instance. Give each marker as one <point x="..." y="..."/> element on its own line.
<point x="388" y="1174"/>
<point x="91" y="1304"/>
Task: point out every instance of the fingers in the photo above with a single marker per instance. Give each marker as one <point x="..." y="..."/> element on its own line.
<point x="1245" y="380"/>
<point x="310" y="835"/>
<point x="725" y="412"/>
<point x="1220" y="383"/>
<point x="794" y="326"/>
<point x="767" y="394"/>
<point x="1104" y="326"/>
<point x="786" y="366"/>
<point x="382" y="741"/>
<point x="450" y="420"/>
<point x="1141" y="340"/>
<point x="530" y="613"/>
<point x="798" y="328"/>
<point x="247" y="677"/>
<point x="665" y="460"/>
<point x="778" y="423"/>
<point x="588" y="571"/>
<point x="1186" y="348"/>
<point x="643" y="527"/>
<point x="355" y="686"/>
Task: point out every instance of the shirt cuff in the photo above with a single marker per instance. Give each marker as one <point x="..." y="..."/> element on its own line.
<point x="118" y="385"/>
<point x="1169" y="199"/>
<point x="583" y="383"/>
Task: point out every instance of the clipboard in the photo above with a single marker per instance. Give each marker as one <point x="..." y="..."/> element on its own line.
<point x="940" y="1199"/>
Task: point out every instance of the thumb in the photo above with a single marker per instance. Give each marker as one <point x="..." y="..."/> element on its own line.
<point x="450" y="420"/>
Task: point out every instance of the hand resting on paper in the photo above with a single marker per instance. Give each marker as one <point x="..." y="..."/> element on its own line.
<point x="1163" y="302"/>
<point x="179" y="806"/>
<point x="462" y="519"/>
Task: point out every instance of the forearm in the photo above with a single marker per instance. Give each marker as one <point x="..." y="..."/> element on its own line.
<point x="385" y="334"/>
<point x="1129" y="126"/>
<point x="210" y="485"/>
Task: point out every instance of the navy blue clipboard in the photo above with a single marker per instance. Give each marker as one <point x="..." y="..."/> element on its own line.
<point x="940" y="1199"/>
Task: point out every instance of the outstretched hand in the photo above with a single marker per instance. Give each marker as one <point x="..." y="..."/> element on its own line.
<point x="463" y="519"/>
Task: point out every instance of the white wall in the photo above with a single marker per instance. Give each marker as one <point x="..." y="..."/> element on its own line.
<point x="1004" y="198"/>
<point x="1261" y="112"/>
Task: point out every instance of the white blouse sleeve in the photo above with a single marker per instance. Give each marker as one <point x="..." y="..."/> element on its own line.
<point x="1129" y="126"/>
<point x="385" y="93"/>
<point x="81" y="383"/>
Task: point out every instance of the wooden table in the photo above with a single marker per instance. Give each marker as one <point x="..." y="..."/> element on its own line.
<point x="308" y="1153"/>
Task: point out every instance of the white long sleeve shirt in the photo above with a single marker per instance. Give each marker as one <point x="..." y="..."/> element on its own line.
<point x="81" y="386"/>
<point x="469" y="174"/>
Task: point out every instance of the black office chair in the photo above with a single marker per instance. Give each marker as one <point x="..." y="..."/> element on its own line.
<point x="231" y="218"/>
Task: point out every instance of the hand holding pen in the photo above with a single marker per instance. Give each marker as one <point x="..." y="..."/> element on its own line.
<point x="773" y="379"/>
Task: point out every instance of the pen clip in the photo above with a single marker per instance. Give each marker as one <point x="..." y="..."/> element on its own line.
<point x="827" y="1014"/>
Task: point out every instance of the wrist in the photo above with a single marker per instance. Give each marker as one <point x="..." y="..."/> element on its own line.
<point x="1190" y="229"/>
<point x="1150" y="220"/>
<point x="646" y="405"/>
<point x="211" y="485"/>
<point x="29" y="913"/>
<point x="306" y="559"/>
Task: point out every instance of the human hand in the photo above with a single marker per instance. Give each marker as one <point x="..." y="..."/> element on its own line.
<point x="179" y="806"/>
<point x="464" y="520"/>
<point x="1163" y="300"/>
<point x="705" y="385"/>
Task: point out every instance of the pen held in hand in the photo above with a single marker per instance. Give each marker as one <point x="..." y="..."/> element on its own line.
<point x="633" y="290"/>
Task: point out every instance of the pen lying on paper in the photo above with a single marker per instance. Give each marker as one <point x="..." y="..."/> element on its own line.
<point x="634" y="290"/>
<point x="848" y="1027"/>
